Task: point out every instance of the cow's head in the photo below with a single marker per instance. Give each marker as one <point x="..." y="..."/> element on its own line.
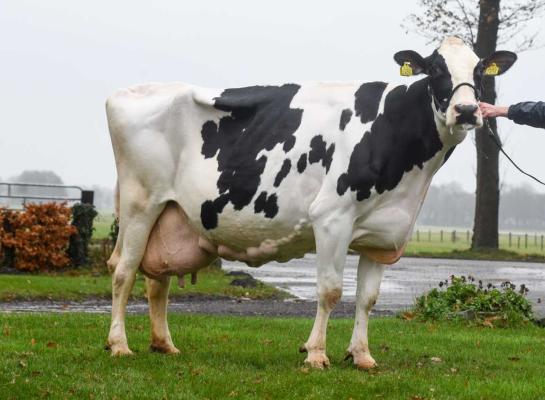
<point x="455" y="79"/>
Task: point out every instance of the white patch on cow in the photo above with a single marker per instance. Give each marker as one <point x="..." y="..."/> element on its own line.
<point x="461" y="62"/>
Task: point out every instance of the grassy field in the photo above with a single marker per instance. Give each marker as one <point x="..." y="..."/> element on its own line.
<point x="102" y="224"/>
<point x="428" y="243"/>
<point x="211" y="282"/>
<point x="62" y="356"/>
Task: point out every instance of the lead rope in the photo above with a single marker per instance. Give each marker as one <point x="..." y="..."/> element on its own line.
<point x="498" y="143"/>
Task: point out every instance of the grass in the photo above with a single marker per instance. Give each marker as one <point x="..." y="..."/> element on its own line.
<point x="429" y="244"/>
<point x="211" y="282"/>
<point x="62" y="356"/>
<point x="102" y="224"/>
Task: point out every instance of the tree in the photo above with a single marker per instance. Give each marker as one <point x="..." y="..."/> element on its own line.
<point x="39" y="177"/>
<point x="484" y="24"/>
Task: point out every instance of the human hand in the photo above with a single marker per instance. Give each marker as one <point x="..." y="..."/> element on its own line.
<point x="492" y="111"/>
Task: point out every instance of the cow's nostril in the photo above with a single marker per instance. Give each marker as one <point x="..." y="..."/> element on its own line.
<point x="466" y="108"/>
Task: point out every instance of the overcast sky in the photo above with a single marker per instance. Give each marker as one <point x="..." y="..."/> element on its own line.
<point x="61" y="59"/>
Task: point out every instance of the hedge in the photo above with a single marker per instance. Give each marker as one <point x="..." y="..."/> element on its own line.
<point x="37" y="238"/>
<point x="45" y="236"/>
<point x="82" y="219"/>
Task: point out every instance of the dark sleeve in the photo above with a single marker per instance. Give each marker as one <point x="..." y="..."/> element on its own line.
<point x="528" y="113"/>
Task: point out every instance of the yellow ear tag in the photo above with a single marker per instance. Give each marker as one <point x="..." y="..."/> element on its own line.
<point x="492" y="70"/>
<point x="406" y="69"/>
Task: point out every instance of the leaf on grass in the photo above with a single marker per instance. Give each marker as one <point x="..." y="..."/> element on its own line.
<point x="32" y="342"/>
<point x="304" y="370"/>
<point x="408" y="315"/>
<point x="513" y="358"/>
<point x="51" y="345"/>
<point x="233" y="394"/>
<point x="436" y="360"/>
<point x="489" y="322"/>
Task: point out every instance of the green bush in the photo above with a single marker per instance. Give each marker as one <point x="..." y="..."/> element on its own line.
<point x="463" y="296"/>
<point x="114" y="230"/>
<point x="82" y="218"/>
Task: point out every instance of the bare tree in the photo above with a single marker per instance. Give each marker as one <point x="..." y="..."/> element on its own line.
<point x="484" y="24"/>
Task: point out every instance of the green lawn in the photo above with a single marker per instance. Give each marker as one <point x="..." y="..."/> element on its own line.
<point x="210" y="281"/>
<point x="102" y="224"/>
<point x="62" y="356"/>
<point x="428" y="243"/>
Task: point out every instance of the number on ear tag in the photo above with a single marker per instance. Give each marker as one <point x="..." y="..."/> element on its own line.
<point x="492" y="70"/>
<point x="406" y="69"/>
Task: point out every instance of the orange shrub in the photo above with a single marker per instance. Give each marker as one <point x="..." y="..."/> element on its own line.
<point x="39" y="236"/>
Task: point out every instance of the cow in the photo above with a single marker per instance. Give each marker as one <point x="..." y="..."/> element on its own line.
<point x="267" y="173"/>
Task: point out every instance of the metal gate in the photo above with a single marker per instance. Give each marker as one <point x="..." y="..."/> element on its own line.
<point x="16" y="195"/>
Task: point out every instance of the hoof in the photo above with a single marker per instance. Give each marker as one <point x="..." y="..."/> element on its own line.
<point x="163" y="349"/>
<point x="361" y="360"/>
<point x="317" y="359"/>
<point x="120" y="350"/>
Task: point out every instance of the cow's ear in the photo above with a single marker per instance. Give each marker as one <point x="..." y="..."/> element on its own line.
<point x="411" y="62"/>
<point x="499" y="62"/>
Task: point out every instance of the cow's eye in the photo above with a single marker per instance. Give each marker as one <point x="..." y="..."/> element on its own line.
<point x="436" y="71"/>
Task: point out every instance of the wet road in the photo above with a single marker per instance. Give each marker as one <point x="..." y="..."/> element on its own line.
<point x="402" y="282"/>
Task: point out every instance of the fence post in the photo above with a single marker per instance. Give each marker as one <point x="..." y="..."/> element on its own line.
<point x="510" y="239"/>
<point x="453" y="236"/>
<point x="525" y="240"/>
<point x="441" y="236"/>
<point x="518" y="241"/>
<point x="541" y="242"/>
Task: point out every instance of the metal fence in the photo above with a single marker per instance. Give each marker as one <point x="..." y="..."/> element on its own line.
<point x="508" y="240"/>
<point x="16" y="195"/>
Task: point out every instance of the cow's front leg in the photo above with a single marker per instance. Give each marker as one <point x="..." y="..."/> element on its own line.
<point x="369" y="278"/>
<point x="157" y="290"/>
<point x="332" y="240"/>
<point x="134" y="236"/>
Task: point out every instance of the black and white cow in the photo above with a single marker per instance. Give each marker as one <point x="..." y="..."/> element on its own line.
<point x="272" y="172"/>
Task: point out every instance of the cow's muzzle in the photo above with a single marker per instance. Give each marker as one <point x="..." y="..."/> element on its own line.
<point x="466" y="113"/>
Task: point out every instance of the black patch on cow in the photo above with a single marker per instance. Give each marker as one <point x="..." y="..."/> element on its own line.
<point x="402" y="137"/>
<point x="260" y="119"/>
<point x="368" y="100"/>
<point x="346" y="115"/>
<point x="288" y="144"/>
<point x="320" y="152"/>
<point x="266" y="204"/>
<point x="211" y="209"/>
<point x="448" y="154"/>
<point x="302" y="163"/>
<point x="284" y="171"/>
<point x="440" y="80"/>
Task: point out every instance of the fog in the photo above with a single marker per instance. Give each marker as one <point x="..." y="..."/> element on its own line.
<point x="61" y="59"/>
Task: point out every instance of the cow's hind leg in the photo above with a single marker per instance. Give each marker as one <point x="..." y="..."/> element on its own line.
<point x="332" y="240"/>
<point x="369" y="278"/>
<point x="157" y="290"/>
<point x="134" y="236"/>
